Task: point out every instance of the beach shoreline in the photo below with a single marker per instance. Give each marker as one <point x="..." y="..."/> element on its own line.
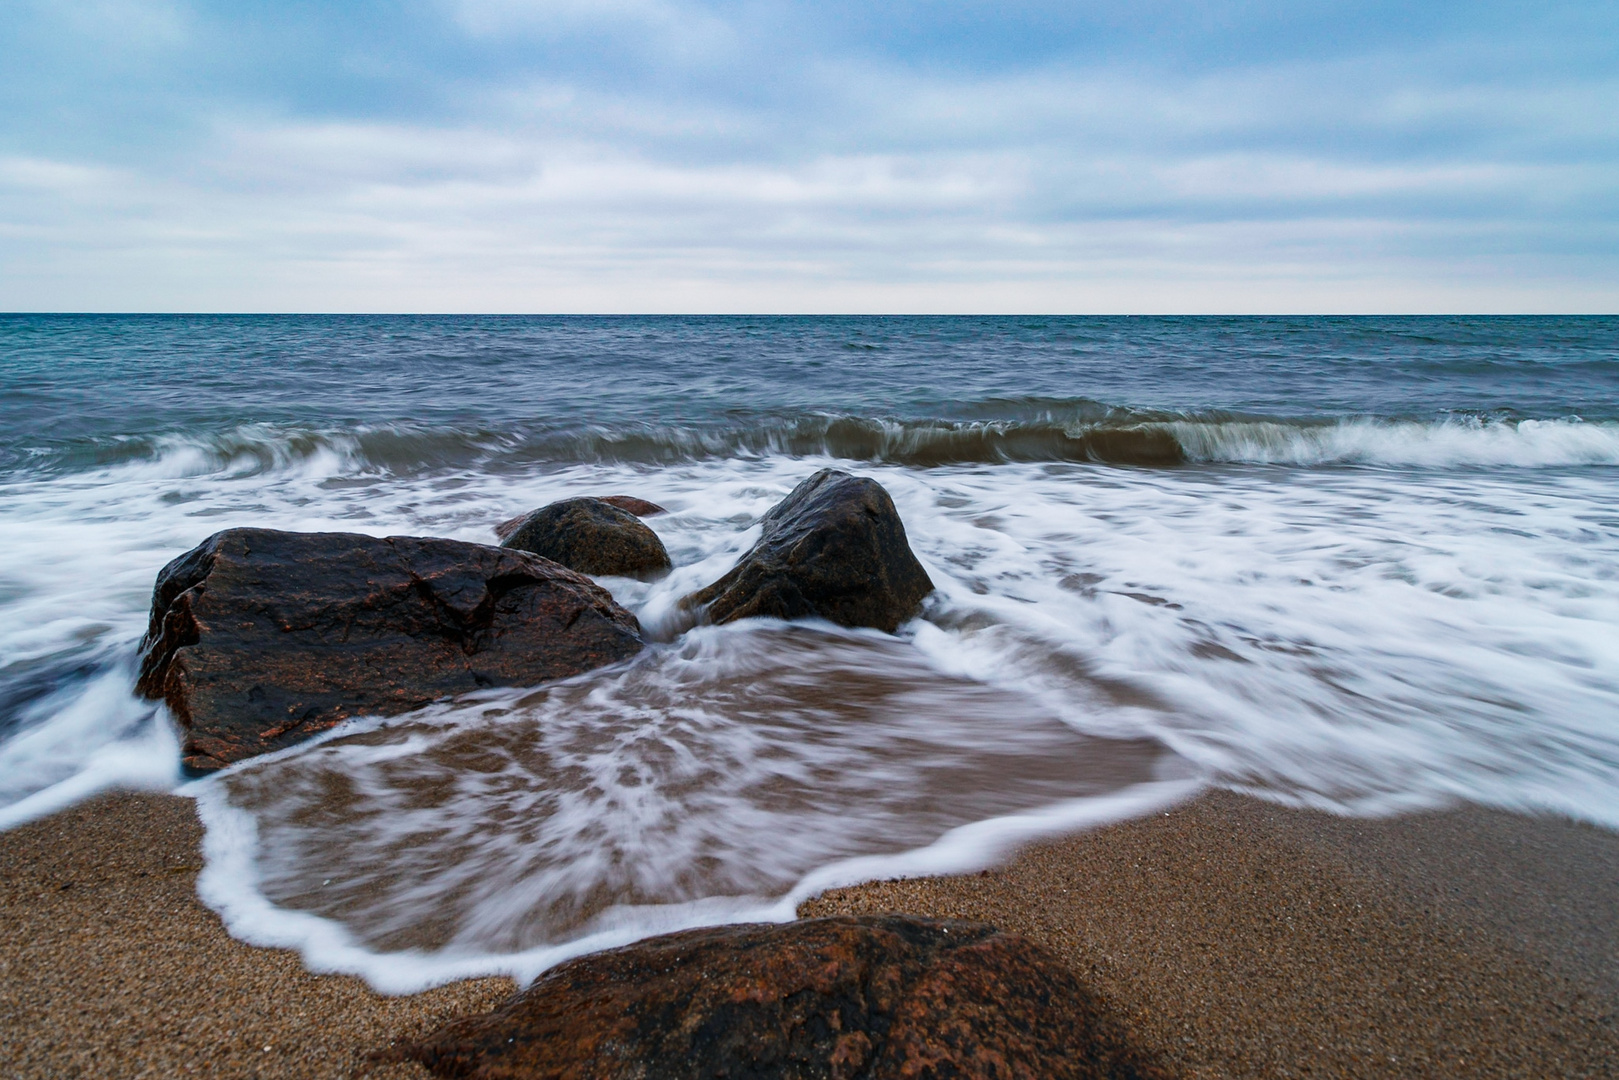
<point x="1236" y="938"/>
<point x="1243" y="939"/>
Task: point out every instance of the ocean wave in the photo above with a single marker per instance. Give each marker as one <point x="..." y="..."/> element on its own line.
<point x="1121" y="437"/>
<point x="1461" y="443"/>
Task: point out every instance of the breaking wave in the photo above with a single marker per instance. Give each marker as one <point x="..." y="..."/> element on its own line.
<point x="1119" y="437"/>
<point x="1446" y="444"/>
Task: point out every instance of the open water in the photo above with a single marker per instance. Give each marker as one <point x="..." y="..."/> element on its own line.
<point x="1365" y="564"/>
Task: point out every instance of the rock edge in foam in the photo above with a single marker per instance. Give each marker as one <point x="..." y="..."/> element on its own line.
<point x="835" y="547"/>
<point x="261" y="638"/>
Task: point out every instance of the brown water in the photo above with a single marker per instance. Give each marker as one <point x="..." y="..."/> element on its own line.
<point x="728" y="765"/>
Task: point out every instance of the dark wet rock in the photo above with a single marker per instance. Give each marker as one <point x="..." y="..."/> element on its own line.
<point x="638" y="507"/>
<point x="260" y="639"/>
<point x="834" y="547"/>
<point x="874" y="997"/>
<point x="591" y="536"/>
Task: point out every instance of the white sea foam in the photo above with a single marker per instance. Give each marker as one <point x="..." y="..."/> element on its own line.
<point x="88" y="739"/>
<point x="280" y="452"/>
<point x="715" y="771"/>
<point x="1457" y="443"/>
<point x="231" y="883"/>
<point x="1360" y="639"/>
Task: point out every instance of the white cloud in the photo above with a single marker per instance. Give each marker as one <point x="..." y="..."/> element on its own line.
<point x="66" y="179"/>
<point x="387" y="218"/>
<point x="1350" y="185"/>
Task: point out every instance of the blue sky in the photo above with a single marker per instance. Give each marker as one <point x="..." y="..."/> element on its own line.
<point x="662" y="155"/>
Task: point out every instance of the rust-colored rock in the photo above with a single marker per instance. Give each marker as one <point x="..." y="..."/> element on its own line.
<point x="591" y="536"/>
<point x="638" y="507"/>
<point x="260" y="638"/>
<point x="869" y="998"/>
<point x="834" y="547"/>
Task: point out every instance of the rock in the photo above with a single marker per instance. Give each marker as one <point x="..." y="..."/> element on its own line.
<point x="591" y="536"/>
<point x="874" y="997"/>
<point x="260" y="638"/>
<point x="638" y="507"/>
<point x="834" y="547"/>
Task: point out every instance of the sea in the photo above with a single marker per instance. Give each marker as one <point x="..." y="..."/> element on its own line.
<point x="1366" y="565"/>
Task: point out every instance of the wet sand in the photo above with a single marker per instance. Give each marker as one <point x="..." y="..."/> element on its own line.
<point x="111" y="967"/>
<point x="1239" y="939"/>
<point x="1245" y="940"/>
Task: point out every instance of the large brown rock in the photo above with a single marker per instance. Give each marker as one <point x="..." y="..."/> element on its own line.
<point x="874" y="998"/>
<point x="591" y="536"/>
<point x="834" y="547"/>
<point x="260" y="638"/>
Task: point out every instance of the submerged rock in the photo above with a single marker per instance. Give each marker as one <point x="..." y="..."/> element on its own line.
<point x="874" y="997"/>
<point x="591" y="536"/>
<point x="834" y="547"/>
<point x="260" y="639"/>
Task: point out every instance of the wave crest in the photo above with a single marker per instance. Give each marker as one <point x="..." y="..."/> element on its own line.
<point x="1447" y="444"/>
<point x="1121" y="438"/>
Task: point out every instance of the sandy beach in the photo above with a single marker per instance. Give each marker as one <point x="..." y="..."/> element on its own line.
<point x="111" y="967"/>
<point x="1238" y="938"/>
<point x="1245" y="940"/>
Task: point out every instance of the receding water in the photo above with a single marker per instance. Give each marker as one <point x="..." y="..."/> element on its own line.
<point x="1362" y="564"/>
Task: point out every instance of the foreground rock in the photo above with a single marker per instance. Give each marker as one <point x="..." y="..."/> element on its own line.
<point x="834" y="547"/>
<point x="591" y="536"/>
<point x="260" y="638"/>
<point x="875" y="997"/>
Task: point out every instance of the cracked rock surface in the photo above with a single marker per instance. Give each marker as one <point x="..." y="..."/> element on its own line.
<point x="261" y="638"/>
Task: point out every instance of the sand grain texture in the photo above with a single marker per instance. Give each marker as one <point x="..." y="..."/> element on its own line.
<point x="1235" y="938"/>
<point x="1244" y="940"/>
<point x="111" y="967"/>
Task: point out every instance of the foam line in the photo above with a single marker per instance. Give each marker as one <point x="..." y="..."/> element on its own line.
<point x="229" y="885"/>
<point x="148" y="760"/>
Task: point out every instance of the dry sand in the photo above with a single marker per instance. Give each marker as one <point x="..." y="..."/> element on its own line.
<point x="1239" y="939"/>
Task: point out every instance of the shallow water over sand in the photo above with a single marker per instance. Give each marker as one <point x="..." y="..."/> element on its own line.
<point x="728" y="765"/>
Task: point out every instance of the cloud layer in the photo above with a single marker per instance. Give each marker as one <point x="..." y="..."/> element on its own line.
<point x="646" y="155"/>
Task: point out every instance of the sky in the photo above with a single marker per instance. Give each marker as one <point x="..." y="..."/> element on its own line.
<point x="668" y="155"/>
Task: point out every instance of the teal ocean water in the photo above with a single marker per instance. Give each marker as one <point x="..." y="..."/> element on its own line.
<point x="1365" y="564"/>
